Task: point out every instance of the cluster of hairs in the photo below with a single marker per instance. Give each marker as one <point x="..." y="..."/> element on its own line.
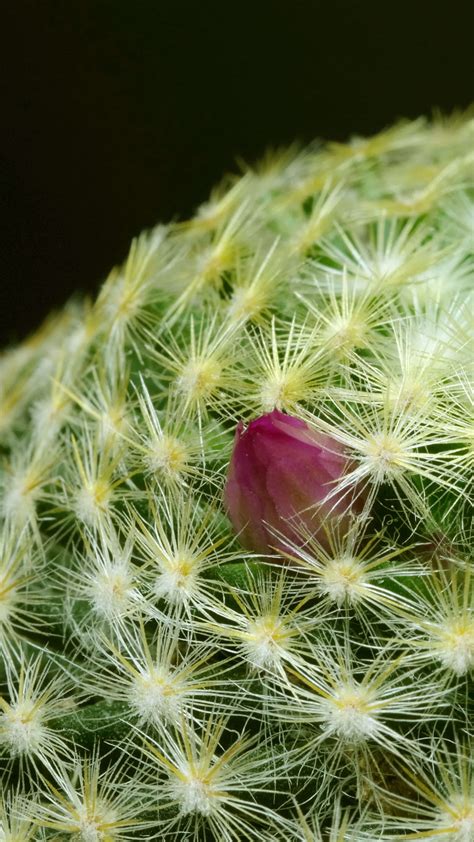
<point x="156" y="680"/>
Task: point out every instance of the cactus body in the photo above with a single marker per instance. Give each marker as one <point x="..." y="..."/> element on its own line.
<point x="158" y="679"/>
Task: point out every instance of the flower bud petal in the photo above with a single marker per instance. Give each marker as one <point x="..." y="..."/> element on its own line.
<point x="280" y="475"/>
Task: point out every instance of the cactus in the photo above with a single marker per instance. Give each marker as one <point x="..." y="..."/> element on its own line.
<point x="159" y="678"/>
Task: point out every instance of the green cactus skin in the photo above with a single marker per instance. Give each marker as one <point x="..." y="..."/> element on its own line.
<point x="158" y="681"/>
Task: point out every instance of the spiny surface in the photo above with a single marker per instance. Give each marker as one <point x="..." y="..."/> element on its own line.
<point x="159" y="681"/>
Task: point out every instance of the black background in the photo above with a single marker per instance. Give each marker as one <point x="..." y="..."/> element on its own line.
<point x="117" y="114"/>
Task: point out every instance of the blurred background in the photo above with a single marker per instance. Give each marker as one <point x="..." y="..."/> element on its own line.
<point x="118" y="114"/>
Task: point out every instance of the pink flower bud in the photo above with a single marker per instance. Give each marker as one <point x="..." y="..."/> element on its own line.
<point x="280" y="475"/>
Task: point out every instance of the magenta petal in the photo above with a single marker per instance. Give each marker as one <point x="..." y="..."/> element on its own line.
<point x="280" y="475"/>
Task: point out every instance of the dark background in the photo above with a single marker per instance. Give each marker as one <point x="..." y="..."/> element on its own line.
<point x="117" y="114"/>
